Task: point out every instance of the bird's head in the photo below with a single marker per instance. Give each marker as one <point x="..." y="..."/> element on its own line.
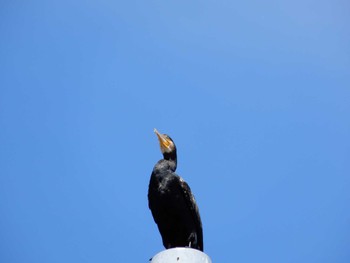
<point x="167" y="145"/>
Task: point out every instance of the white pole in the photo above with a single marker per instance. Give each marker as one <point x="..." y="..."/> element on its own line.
<point x="181" y="255"/>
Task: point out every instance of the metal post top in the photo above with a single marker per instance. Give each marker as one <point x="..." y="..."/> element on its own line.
<point x="181" y="255"/>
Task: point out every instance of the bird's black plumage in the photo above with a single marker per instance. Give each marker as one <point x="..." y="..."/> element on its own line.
<point x="172" y="203"/>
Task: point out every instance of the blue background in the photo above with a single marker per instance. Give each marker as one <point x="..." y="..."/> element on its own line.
<point x="256" y="95"/>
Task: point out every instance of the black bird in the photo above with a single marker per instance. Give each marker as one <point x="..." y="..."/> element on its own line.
<point x="172" y="203"/>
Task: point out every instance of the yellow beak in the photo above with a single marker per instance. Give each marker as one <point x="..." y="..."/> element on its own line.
<point x="163" y="141"/>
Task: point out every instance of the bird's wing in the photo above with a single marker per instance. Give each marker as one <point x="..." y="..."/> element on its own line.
<point x="192" y="205"/>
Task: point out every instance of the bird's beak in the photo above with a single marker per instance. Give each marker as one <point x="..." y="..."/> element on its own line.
<point x="163" y="141"/>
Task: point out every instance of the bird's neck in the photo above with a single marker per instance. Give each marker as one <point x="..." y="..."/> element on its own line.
<point x="172" y="159"/>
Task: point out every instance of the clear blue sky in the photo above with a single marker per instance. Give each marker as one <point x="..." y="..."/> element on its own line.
<point x="256" y="95"/>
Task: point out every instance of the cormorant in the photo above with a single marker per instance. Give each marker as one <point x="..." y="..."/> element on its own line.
<point x="172" y="203"/>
